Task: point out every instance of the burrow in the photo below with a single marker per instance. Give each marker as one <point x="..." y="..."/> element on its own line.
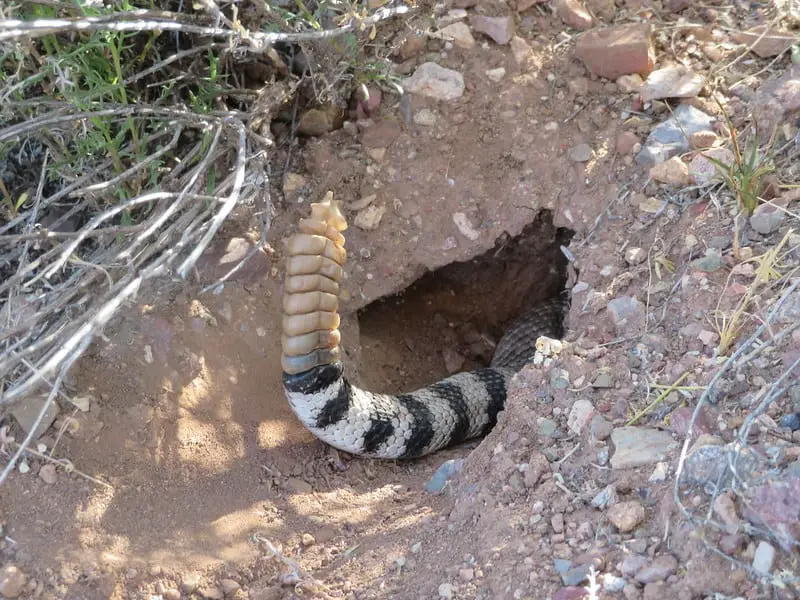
<point x="449" y="319"/>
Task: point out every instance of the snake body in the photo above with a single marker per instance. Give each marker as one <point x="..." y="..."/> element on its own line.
<point x="401" y="426"/>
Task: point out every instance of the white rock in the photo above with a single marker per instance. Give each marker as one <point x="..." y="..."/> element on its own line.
<point x="764" y="557"/>
<point x="465" y="227"/>
<point x="580" y="415"/>
<point x="496" y="74"/>
<point x="671" y="82"/>
<point x="369" y="218"/>
<point x="436" y="82"/>
<point x="460" y="34"/>
<point x="446" y="590"/>
<point x="425" y="117"/>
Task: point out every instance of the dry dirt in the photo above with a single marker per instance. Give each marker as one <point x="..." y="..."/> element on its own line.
<point x="204" y="459"/>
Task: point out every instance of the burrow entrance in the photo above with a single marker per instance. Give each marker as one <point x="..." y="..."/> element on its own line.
<point x="450" y="318"/>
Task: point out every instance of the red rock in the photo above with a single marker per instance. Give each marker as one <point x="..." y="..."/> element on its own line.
<point x="681" y="418"/>
<point x="614" y="51"/>
<point x="778" y="101"/>
<point x="573" y="13"/>
<point x="380" y="135"/>
<point x="626" y="140"/>
<point x="775" y="42"/>
<point x="500" y="29"/>
<point x="570" y="593"/>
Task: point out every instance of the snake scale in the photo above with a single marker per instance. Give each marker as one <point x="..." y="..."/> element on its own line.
<point x="402" y="426"/>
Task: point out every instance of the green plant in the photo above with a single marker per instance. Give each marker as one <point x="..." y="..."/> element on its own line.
<point x="746" y="175"/>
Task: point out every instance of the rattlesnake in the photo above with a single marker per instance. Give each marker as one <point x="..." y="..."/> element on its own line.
<point x="457" y="408"/>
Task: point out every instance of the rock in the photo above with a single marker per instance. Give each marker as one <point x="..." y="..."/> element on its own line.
<point x="580" y="415"/>
<point x="652" y="205"/>
<point x="600" y="428"/>
<point x="460" y="34"/>
<point x="709" y="338"/>
<point x="766" y="218"/>
<point x="500" y="29"/>
<point x="318" y="121"/>
<point x="465" y="227"/>
<point x="446" y="590"/>
<point x="655" y="591"/>
<point x="774" y="41"/>
<point x="725" y="509"/>
<point x="703" y="139"/>
<point x="581" y="153"/>
<point x="453" y="361"/>
<point x="791" y="421"/>
<point x="496" y="75"/>
<point x="538" y="465"/>
<point x="453" y="15"/>
<point x="614" y="51"/>
<point x="778" y="100"/>
<point x="612" y="583"/>
<point x="229" y="587"/>
<point x="658" y="570"/>
<point x="764" y="557"/>
<point x="671" y="82"/>
<point x="189" y="583"/>
<point x="381" y="134"/>
<point x="579" y="86"/>
<point x="603" y="379"/>
<point x="27" y="410"/>
<point x="570" y="593"/>
<point x="670" y="137"/>
<point x="436" y="82"/>
<point x="559" y="379"/>
<point x="466" y="574"/>
<point x="298" y="486"/>
<point x="732" y="544"/>
<point x="557" y="522"/>
<point x="776" y="506"/>
<point x="369" y="218"/>
<point x="411" y="46"/>
<point x="521" y="50"/>
<point x="443" y="474"/>
<point x="547" y="427"/>
<point x="48" y="474"/>
<point x="632" y="564"/>
<point x="171" y="594"/>
<point x="659" y="474"/>
<point x="711" y="262"/>
<point x="12" y="582"/>
<point x="210" y="592"/>
<point x="673" y="171"/>
<point x="629" y="84"/>
<point x="627" y="314"/>
<point x="307" y="540"/>
<point x="626" y="516"/>
<point x="425" y="117"/>
<point x="626" y="142"/>
<point x="638" y="446"/>
<point x="635" y="256"/>
<point x="710" y="462"/>
<point x="703" y="171"/>
<point x="573" y="13"/>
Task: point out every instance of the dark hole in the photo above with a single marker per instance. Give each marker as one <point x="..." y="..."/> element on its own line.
<point x="453" y="316"/>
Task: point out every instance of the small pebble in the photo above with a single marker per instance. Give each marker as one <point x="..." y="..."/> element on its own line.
<point x="764" y="557"/>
